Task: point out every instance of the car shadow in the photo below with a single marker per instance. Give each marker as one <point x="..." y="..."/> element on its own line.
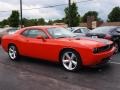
<point x="58" y="66"/>
<point x="38" y="62"/>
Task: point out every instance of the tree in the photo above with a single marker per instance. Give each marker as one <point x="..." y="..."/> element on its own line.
<point x="90" y="13"/>
<point x="59" y="20"/>
<point x="4" y="22"/>
<point x="114" y="15"/>
<point x="72" y="12"/>
<point x="50" y="22"/>
<point x="14" y="19"/>
<point x="41" y="21"/>
<point x="32" y="22"/>
<point x="24" y="21"/>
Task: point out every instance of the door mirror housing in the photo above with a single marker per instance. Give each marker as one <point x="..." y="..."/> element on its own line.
<point x="40" y="37"/>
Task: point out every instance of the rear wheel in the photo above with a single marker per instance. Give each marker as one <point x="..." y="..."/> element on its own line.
<point x="13" y="52"/>
<point x="70" y="60"/>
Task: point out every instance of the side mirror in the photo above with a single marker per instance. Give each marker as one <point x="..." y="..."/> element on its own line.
<point x="40" y="37"/>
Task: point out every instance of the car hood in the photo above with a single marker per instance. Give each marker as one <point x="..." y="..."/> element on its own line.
<point x="97" y="40"/>
<point x="88" y="42"/>
<point x="100" y="35"/>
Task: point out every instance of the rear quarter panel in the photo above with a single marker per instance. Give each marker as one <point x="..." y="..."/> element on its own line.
<point x="6" y="40"/>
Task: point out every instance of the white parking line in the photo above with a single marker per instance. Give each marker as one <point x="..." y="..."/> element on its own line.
<point x="115" y="63"/>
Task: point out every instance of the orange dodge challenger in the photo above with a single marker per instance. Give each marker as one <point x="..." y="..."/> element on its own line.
<point x="57" y="44"/>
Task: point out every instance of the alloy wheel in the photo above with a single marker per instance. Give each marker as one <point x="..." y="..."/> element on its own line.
<point x="12" y="52"/>
<point x="70" y="61"/>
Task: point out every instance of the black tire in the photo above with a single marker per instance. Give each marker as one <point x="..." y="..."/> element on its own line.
<point x="117" y="48"/>
<point x="77" y="60"/>
<point x="13" y="53"/>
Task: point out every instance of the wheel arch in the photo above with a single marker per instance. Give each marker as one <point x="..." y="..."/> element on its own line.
<point x="11" y="44"/>
<point x="65" y="49"/>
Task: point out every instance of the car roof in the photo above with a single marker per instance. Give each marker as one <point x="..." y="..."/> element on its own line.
<point x="110" y="26"/>
<point x="77" y="27"/>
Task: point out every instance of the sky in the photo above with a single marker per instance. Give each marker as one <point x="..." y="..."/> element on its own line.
<point x="103" y="7"/>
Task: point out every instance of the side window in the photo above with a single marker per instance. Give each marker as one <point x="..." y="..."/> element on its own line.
<point x="25" y="33"/>
<point x="41" y="33"/>
<point x="34" y="33"/>
<point x="78" y="31"/>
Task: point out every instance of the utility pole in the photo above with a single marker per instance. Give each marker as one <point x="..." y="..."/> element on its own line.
<point x="69" y="17"/>
<point x="21" y="23"/>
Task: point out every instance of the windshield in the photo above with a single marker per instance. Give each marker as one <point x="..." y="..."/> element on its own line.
<point x="60" y="33"/>
<point x="102" y="30"/>
<point x="85" y="30"/>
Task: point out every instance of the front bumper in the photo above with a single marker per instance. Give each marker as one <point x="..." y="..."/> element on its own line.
<point x="100" y="58"/>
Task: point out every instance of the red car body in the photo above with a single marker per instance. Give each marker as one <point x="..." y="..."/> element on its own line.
<point x="50" y="49"/>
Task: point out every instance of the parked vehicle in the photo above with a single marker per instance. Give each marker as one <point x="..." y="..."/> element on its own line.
<point x="5" y="31"/>
<point x="107" y="32"/>
<point x="57" y="44"/>
<point x="79" y="31"/>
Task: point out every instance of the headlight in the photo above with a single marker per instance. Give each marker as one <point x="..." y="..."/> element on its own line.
<point x="103" y="48"/>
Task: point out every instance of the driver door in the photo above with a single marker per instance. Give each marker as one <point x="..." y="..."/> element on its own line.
<point x="34" y="47"/>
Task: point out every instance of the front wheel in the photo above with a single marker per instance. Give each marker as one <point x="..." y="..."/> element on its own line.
<point x="117" y="48"/>
<point x="70" y="60"/>
<point x="13" y="52"/>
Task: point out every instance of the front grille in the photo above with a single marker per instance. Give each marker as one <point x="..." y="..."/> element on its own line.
<point x="104" y="48"/>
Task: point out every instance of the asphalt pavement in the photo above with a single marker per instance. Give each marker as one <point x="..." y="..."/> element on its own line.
<point x="33" y="74"/>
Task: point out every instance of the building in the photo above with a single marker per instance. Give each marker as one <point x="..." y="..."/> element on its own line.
<point x="61" y="24"/>
<point x="111" y="24"/>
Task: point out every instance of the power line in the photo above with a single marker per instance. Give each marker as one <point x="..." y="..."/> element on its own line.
<point x="51" y="6"/>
